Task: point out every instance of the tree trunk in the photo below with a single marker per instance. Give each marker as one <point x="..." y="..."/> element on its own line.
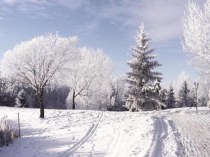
<point x="73" y="101"/>
<point x="41" y="104"/>
<point x="41" y="110"/>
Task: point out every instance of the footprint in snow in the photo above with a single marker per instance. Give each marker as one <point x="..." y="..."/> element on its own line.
<point x="137" y="151"/>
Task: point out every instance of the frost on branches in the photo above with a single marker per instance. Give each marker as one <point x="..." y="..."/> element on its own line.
<point x="89" y="81"/>
<point x="196" y="37"/>
<point x="40" y="61"/>
<point x="143" y="81"/>
<point x="196" y="29"/>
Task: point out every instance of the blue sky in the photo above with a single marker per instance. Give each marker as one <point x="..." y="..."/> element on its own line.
<point x="107" y="24"/>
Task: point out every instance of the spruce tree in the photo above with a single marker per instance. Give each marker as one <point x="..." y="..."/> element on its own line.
<point x="143" y="81"/>
<point x="184" y="96"/>
<point x="163" y="96"/>
<point x="170" y="98"/>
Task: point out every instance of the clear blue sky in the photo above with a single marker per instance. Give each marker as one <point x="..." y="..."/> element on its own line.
<point x="110" y="25"/>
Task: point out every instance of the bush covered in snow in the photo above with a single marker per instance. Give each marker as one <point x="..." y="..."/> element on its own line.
<point x="7" y="134"/>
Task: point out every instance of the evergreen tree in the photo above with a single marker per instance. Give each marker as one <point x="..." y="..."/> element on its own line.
<point x="163" y="95"/>
<point x="143" y="81"/>
<point x="184" y="96"/>
<point x="21" y="99"/>
<point x="170" y="98"/>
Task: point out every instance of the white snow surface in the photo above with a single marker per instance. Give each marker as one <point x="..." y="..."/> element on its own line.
<point x="63" y="133"/>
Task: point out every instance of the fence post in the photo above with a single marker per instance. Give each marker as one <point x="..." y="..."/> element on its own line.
<point x="18" y="125"/>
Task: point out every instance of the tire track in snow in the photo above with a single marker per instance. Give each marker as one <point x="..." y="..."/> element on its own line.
<point x="179" y="149"/>
<point x="87" y="136"/>
<point x="160" y="133"/>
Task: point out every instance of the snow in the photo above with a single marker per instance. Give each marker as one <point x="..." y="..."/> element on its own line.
<point x="79" y="133"/>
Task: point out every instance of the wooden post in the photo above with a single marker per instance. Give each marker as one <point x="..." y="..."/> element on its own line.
<point x="196" y="94"/>
<point x="18" y="125"/>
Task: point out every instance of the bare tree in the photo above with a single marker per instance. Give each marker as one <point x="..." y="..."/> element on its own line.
<point x="40" y="61"/>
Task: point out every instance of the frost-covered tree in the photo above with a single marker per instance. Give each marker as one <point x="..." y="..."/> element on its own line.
<point x="143" y="91"/>
<point x="40" y="61"/>
<point x="204" y="85"/>
<point x="184" y="99"/>
<point x="196" y="31"/>
<point x="196" y="37"/>
<point x="117" y="87"/>
<point x="21" y="100"/>
<point x="170" y="98"/>
<point x="89" y="80"/>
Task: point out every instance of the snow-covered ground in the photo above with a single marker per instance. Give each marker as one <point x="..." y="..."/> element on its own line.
<point x="64" y="133"/>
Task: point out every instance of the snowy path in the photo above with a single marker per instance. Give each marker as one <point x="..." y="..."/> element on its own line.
<point x="165" y="140"/>
<point x="194" y="132"/>
<point x="169" y="133"/>
<point x="160" y="133"/>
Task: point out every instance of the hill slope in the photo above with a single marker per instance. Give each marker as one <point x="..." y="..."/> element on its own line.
<point x="63" y="133"/>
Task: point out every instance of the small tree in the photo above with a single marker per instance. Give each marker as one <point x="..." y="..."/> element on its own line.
<point x="40" y="61"/>
<point x="143" y="92"/>
<point x="170" y="98"/>
<point x="117" y="87"/>
<point x="184" y="98"/>
<point x="21" y="99"/>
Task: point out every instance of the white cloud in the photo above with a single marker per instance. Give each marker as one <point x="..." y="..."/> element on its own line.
<point x="22" y="2"/>
<point x="73" y="4"/>
<point x="161" y="17"/>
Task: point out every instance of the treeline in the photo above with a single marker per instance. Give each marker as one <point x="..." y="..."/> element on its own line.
<point x="113" y="99"/>
<point x="14" y="94"/>
<point x="185" y="97"/>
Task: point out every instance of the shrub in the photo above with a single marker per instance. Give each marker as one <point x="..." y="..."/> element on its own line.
<point x="7" y="134"/>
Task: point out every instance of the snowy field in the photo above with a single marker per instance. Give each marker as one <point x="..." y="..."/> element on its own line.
<point x="63" y="133"/>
